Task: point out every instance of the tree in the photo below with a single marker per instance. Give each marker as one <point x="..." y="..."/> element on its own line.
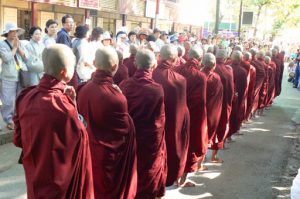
<point x="287" y="14"/>
<point x="259" y="4"/>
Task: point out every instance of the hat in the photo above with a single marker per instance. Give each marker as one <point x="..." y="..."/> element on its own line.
<point x="156" y="30"/>
<point x="164" y="33"/>
<point x="12" y="27"/>
<point x="173" y="38"/>
<point x="143" y="32"/>
<point x="106" y="36"/>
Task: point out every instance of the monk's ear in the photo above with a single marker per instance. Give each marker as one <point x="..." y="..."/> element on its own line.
<point x="63" y="74"/>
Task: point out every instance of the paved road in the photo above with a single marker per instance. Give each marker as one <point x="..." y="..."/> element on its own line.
<point x="253" y="168"/>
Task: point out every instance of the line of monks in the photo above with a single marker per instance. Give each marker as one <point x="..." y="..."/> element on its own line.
<point x="130" y="141"/>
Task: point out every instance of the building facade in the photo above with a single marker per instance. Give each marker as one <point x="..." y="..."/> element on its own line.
<point x="109" y="14"/>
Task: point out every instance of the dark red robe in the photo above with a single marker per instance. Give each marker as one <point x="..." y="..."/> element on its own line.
<point x="226" y="74"/>
<point x="280" y="57"/>
<point x="146" y="106"/>
<point x="279" y="72"/>
<point x="196" y="102"/>
<point x="246" y="65"/>
<point x="112" y="137"/>
<point x="251" y="87"/>
<point x="121" y="74"/>
<point x="260" y="76"/>
<point x="177" y="119"/>
<point x="214" y="101"/>
<point x="239" y="103"/>
<point x="130" y="63"/>
<point x="272" y="82"/>
<point x="180" y="61"/>
<point x="264" y="89"/>
<point x="56" y="153"/>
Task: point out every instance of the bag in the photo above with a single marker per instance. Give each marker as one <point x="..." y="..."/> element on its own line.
<point x="24" y="78"/>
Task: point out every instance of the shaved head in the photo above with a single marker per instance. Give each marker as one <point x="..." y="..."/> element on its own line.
<point x="222" y="53"/>
<point x="267" y="59"/>
<point x="237" y="56"/>
<point x="168" y="52"/>
<point x="238" y="48"/>
<point x="260" y="54"/>
<point x="196" y="52"/>
<point x="133" y="49"/>
<point x="247" y="56"/>
<point x="145" y="59"/>
<point x="107" y="59"/>
<point x="209" y="60"/>
<point x="56" y="58"/>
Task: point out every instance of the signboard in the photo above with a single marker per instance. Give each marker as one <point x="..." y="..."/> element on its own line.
<point x="247" y="18"/>
<point x="89" y="4"/>
<point x="132" y="7"/>
<point x="71" y="3"/>
<point x="151" y="9"/>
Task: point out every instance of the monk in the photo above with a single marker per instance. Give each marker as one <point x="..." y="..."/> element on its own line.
<point x="240" y="100"/>
<point x="130" y="61"/>
<point x="146" y="106"/>
<point x="214" y="100"/>
<point x="252" y="74"/>
<point x="187" y="46"/>
<point x="226" y="74"/>
<point x="260" y="76"/>
<point x="264" y="90"/>
<point x="279" y="70"/>
<point x="122" y="72"/>
<point x="271" y="88"/>
<point x="180" y="60"/>
<point x="196" y="101"/>
<point x="111" y="130"/>
<point x="177" y="115"/>
<point x="56" y="153"/>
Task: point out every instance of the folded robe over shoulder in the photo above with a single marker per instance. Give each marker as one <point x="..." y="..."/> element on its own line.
<point x="214" y="101"/>
<point x="112" y="137"/>
<point x="271" y="89"/>
<point x="57" y="159"/>
<point x="260" y="77"/>
<point x="196" y="102"/>
<point x="177" y="119"/>
<point x="121" y="74"/>
<point x="264" y="90"/>
<point x="250" y="97"/>
<point x="130" y="64"/>
<point x="238" y="107"/>
<point x="146" y="106"/>
<point x="226" y="74"/>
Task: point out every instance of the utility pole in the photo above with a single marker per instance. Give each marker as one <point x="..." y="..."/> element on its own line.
<point x="217" y="17"/>
<point x="240" y="19"/>
<point x="156" y="13"/>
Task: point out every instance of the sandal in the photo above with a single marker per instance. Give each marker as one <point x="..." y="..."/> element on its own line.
<point x="10" y="126"/>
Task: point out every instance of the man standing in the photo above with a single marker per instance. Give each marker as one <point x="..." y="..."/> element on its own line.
<point x="129" y="62"/>
<point x="196" y="102"/>
<point x="57" y="159"/>
<point x="13" y="56"/>
<point x="177" y="115"/>
<point x="111" y="130"/>
<point x="239" y="104"/>
<point x="214" y="100"/>
<point x="226" y="74"/>
<point x="146" y="107"/>
<point x="63" y="36"/>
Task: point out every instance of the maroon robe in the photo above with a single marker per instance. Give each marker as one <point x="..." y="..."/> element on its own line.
<point x="56" y="153"/>
<point x="74" y="81"/>
<point x="146" y="106"/>
<point x="246" y="66"/>
<point x="279" y="72"/>
<point x="239" y="102"/>
<point x="280" y="56"/>
<point x="226" y="74"/>
<point x="180" y="61"/>
<point x="112" y="137"/>
<point x="260" y="76"/>
<point x="272" y="82"/>
<point x="130" y="63"/>
<point x="196" y="102"/>
<point x="250" y="97"/>
<point x="264" y="90"/>
<point x="214" y="100"/>
<point x="177" y="119"/>
<point x="121" y="74"/>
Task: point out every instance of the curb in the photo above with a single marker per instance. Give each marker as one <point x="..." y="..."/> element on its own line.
<point x="6" y="137"/>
